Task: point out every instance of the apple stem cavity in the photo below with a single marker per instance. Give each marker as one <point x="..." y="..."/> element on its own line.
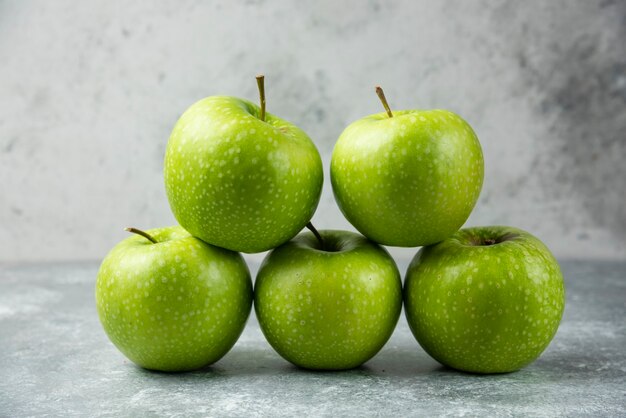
<point x="381" y="96"/>
<point x="485" y="242"/>
<point x="260" y="81"/>
<point x="317" y="235"/>
<point x="142" y="233"/>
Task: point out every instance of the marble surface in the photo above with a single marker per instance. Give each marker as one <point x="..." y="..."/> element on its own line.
<point x="56" y="361"/>
<point x="90" y="92"/>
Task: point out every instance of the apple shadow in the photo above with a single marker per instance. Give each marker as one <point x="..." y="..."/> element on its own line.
<point x="259" y="361"/>
<point x="242" y="361"/>
<point x="550" y="369"/>
<point x="403" y="361"/>
<point x="209" y="371"/>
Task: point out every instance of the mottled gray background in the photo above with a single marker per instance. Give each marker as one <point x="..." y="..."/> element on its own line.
<point x="89" y="92"/>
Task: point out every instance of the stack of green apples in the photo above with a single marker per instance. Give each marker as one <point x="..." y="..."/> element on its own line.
<point x="239" y="179"/>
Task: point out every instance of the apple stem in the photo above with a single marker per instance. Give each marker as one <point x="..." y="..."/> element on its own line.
<point x="317" y="235"/>
<point x="142" y="233"/>
<point x="381" y="96"/>
<point x="260" y="81"/>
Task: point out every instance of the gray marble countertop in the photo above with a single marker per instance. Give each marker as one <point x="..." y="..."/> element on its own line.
<point x="55" y="360"/>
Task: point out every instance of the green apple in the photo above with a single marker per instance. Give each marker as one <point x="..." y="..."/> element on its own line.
<point x="171" y="302"/>
<point x="485" y="300"/>
<point x="329" y="303"/>
<point x="239" y="178"/>
<point x="407" y="178"/>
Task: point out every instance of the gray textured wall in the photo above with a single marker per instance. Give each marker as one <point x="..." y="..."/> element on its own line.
<point x="89" y="92"/>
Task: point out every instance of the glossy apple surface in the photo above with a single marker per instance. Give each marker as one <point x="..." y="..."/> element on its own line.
<point x="331" y="308"/>
<point x="238" y="182"/>
<point x="176" y="305"/>
<point x="407" y="180"/>
<point x="486" y="300"/>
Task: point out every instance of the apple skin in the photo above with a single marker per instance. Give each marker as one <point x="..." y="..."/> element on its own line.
<point x="237" y="182"/>
<point x="409" y="180"/>
<point x="328" y="310"/>
<point x="174" y="306"/>
<point x="485" y="308"/>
